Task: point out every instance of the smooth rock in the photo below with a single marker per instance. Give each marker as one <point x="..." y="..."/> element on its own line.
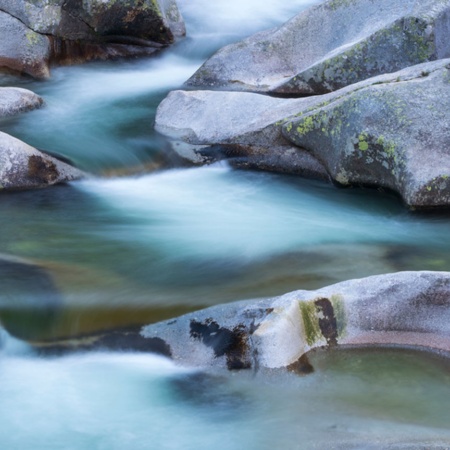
<point x="410" y="309"/>
<point x="332" y="45"/>
<point x="244" y="128"/>
<point x="389" y="131"/>
<point x="24" y="167"/>
<point x="17" y="100"/>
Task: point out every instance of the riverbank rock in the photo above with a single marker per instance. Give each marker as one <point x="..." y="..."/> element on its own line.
<point x="409" y="309"/>
<point x="406" y="308"/>
<point x="332" y="45"/>
<point x="24" y="167"/>
<point x="38" y="33"/>
<point x="389" y="131"/>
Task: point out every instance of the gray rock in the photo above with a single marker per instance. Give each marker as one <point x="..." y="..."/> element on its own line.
<point x="405" y="309"/>
<point x="24" y="167"/>
<point x="331" y="45"/>
<point x="21" y="49"/>
<point x="391" y="132"/>
<point x="18" y="100"/>
<point x="244" y="128"/>
<point x="73" y="31"/>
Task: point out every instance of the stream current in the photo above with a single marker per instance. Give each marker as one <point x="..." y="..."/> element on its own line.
<point x="145" y="239"/>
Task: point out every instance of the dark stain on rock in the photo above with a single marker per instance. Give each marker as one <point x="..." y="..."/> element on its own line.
<point x="119" y="340"/>
<point x="41" y="170"/>
<point x="327" y="323"/>
<point x="230" y="343"/>
<point x="302" y="366"/>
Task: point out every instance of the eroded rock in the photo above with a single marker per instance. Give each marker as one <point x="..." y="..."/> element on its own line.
<point x="332" y="45"/>
<point x="37" y="33"/>
<point x="405" y="309"/>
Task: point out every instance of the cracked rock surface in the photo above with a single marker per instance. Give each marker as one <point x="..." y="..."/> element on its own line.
<point x="37" y="33"/>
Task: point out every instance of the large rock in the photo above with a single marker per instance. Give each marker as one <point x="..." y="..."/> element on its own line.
<point x="244" y="128"/>
<point x="18" y="100"/>
<point x="391" y="133"/>
<point x="36" y="33"/>
<point x="388" y="131"/>
<point x="24" y="167"/>
<point x="332" y="45"/>
<point x="405" y="309"/>
<point x="21" y="49"/>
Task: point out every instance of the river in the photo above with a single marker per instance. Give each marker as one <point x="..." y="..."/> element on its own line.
<point x="146" y="238"/>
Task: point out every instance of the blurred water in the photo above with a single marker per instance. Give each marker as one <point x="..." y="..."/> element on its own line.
<point x="110" y="401"/>
<point x="105" y="253"/>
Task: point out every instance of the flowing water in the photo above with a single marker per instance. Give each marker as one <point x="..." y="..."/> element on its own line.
<point x="145" y="239"/>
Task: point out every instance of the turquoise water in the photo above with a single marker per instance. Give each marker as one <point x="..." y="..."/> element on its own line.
<point x="146" y="239"/>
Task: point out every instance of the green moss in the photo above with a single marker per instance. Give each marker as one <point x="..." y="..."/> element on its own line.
<point x="310" y="322"/>
<point x="339" y="313"/>
<point x="32" y="37"/>
<point x="363" y="145"/>
<point x="307" y="126"/>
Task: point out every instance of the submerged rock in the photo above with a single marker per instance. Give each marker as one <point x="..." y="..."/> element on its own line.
<point x="18" y="100"/>
<point x="389" y="131"/>
<point x="36" y="33"/>
<point x="332" y="45"/>
<point x="29" y="298"/>
<point x="24" y="167"/>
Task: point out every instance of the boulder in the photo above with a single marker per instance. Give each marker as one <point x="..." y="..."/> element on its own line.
<point x="21" y="49"/>
<point x="24" y="167"/>
<point x="65" y="31"/>
<point x="332" y="45"/>
<point x="392" y="133"/>
<point x="405" y="309"/>
<point x="389" y="131"/>
<point x="18" y="100"/>
<point x="244" y="128"/>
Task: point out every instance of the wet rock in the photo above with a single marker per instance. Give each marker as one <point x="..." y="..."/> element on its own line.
<point x="24" y="167"/>
<point x="36" y="33"/>
<point x="332" y="45"/>
<point x="18" y="100"/>
<point x="404" y="309"/>
<point x="29" y="299"/>
<point x="388" y="131"/>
